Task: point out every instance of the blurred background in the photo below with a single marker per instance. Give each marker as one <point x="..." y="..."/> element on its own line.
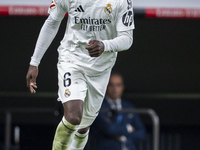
<point x="161" y="72"/>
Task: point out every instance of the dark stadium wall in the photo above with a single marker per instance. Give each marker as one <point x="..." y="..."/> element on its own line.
<point x="164" y="56"/>
<point x="18" y="38"/>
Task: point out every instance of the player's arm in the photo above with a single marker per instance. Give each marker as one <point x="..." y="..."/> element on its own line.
<point x="49" y="30"/>
<point x="122" y="42"/>
<point x="46" y="36"/>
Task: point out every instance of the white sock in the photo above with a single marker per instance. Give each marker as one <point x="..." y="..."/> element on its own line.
<point x="63" y="136"/>
<point x="79" y="141"/>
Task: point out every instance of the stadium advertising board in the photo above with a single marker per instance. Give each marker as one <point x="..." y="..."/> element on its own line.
<point x="150" y="8"/>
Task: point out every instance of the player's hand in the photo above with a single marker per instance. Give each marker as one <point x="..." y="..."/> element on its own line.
<point x="31" y="78"/>
<point x="95" y="48"/>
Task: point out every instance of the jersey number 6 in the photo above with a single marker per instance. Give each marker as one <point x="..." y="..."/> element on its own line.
<point x="67" y="80"/>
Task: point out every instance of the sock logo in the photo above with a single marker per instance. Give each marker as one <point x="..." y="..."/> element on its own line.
<point x="79" y="9"/>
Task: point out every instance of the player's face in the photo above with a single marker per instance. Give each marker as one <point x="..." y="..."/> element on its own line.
<point x="115" y="87"/>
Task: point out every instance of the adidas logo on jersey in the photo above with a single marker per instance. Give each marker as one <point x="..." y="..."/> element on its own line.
<point x="79" y="9"/>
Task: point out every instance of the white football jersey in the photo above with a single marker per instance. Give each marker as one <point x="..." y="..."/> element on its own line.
<point x="91" y="20"/>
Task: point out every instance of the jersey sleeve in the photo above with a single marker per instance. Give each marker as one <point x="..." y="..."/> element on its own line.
<point x="58" y="9"/>
<point x="125" y="18"/>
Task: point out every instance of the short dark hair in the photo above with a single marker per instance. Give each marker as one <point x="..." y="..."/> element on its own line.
<point x="114" y="72"/>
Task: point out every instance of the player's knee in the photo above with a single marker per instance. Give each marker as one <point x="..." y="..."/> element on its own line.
<point x="75" y="120"/>
<point x="73" y="111"/>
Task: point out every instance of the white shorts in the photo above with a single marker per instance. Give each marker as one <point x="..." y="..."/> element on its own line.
<point x="75" y="85"/>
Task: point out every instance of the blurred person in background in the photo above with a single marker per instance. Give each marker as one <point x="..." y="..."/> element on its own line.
<point x="114" y="129"/>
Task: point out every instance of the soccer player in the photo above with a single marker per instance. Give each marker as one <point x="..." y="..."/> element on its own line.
<point x="96" y="31"/>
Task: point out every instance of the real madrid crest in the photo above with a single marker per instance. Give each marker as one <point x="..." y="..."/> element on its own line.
<point x="108" y="9"/>
<point x="67" y="93"/>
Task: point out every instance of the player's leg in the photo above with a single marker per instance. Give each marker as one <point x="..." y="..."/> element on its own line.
<point x="73" y="111"/>
<point x="72" y="117"/>
<point x="80" y="139"/>
<point x="72" y="92"/>
<point x="94" y="98"/>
